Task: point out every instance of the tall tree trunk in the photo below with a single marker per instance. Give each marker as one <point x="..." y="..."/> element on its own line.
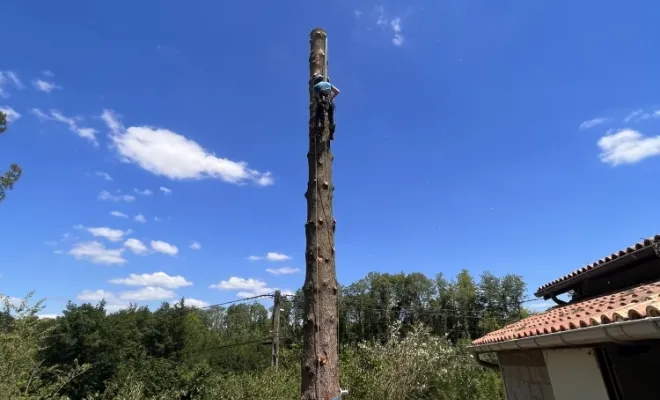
<point x="320" y="370"/>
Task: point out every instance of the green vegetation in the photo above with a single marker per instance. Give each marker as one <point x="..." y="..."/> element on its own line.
<point x="401" y="337"/>
<point x="9" y="178"/>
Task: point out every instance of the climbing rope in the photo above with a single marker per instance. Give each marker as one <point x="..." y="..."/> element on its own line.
<point x="316" y="266"/>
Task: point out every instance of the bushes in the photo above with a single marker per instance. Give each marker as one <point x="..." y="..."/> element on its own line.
<point x="22" y="372"/>
<point x="173" y="358"/>
<point x="418" y="366"/>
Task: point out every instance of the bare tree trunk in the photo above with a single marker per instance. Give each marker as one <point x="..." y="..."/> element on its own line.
<point x="320" y="371"/>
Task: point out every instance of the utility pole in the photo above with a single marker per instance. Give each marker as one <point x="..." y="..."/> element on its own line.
<point x="320" y="368"/>
<point x="276" y="329"/>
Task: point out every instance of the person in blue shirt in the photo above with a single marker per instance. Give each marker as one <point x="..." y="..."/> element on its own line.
<point x="326" y="93"/>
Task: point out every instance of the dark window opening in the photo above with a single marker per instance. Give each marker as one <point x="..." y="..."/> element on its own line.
<point x="630" y="372"/>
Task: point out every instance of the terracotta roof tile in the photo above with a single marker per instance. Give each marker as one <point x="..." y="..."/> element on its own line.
<point x="628" y="250"/>
<point x="640" y="302"/>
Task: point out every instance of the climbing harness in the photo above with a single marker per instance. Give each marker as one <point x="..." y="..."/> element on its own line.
<point x="325" y="104"/>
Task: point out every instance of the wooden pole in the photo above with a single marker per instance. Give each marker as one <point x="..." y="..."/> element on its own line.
<point x="320" y="369"/>
<point x="276" y="329"/>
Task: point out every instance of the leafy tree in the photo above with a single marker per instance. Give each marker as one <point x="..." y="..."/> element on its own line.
<point x="9" y="178"/>
<point x="22" y="368"/>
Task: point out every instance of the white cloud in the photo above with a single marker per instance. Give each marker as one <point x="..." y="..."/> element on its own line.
<point x="97" y="253"/>
<point x="195" y="303"/>
<point x="95" y="295"/>
<point x="48" y="73"/>
<point x="627" y="147"/>
<point x="140" y="218"/>
<point x="166" y="153"/>
<point x="246" y="287"/>
<point x="593" y="122"/>
<point x="113" y="302"/>
<point x="157" y="219"/>
<point x="282" y="271"/>
<point x="55" y="115"/>
<point x="148" y="293"/>
<point x="236" y="283"/>
<point x="39" y="114"/>
<point x="270" y="256"/>
<point x="165" y="191"/>
<point x="118" y="214"/>
<point x="398" y="38"/>
<point x="394" y="24"/>
<point x="48" y="316"/>
<point x="12" y="115"/>
<point x="163" y="247"/>
<point x="357" y="13"/>
<point x="114" y="235"/>
<point x="160" y="279"/>
<point x="45" y="86"/>
<point x="121" y="300"/>
<point x="105" y="195"/>
<point x="14" y="301"/>
<point x="636" y="116"/>
<point x="136" y="246"/>
<point x="112" y="121"/>
<point x="9" y="79"/>
<point x="195" y="246"/>
<point x="145" y="192"/>
<point x="103" y="175"/>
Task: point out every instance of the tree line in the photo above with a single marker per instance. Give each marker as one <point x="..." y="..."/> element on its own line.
<point x="182" y="352"/>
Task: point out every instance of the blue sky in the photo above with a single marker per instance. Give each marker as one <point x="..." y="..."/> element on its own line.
<point x="513" y="137"/>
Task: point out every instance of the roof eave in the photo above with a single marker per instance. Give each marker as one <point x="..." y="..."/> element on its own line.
<point x="603" y="269"/>
<point x="617" y="332"/>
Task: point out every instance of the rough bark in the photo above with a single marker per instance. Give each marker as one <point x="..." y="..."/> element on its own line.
<point x="320" y="375"/>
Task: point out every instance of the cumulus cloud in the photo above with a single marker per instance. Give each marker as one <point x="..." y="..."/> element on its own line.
<point x="627" y="146"/>
<point x="282" y="271"/>
<point x="195" y="303"/>
<point x="45" y="86"/>
<point x="121" y="300"/>
<point x="148" y="293"/>
<point x="96" y="253"/>
<point x="270" y="256"/>
<point x="164" y="247"/>
<point x="71" y="123"/>
<point x="12" y="115"/>
<point x="166" y="153"/>
<point x="195" y="246"/>
<point x="136" y="246"/>
<point x="245" y="287"/>
<point x="140" y="218"/>
<point x="165" y="191"/>
<point x="118" y="214"/>
<point x="160" y="279"/>
<point x="593" y="122"/>
<point x="114" y="235"/>
<point x="107" y="196"/>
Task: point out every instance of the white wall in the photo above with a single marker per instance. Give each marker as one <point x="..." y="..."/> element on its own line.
<point x="575" y="375"/>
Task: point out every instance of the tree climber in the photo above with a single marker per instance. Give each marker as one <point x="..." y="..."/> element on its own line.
<point x="326" y="93"/>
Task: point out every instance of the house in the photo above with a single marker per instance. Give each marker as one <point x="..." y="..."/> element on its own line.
<point x="602" y="344"/>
